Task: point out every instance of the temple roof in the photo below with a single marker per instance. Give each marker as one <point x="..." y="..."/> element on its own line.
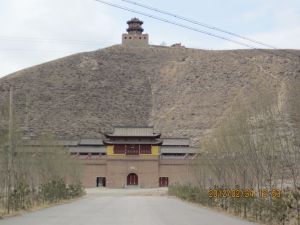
<point x="127" y="131"/>
<point x="176" y="141"/>
<point x="112" y="142"/>
<point x="90" y="141"/>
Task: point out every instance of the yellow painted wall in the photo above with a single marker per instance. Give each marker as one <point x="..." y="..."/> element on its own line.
<point x="110" y="150"/>
<point x="155" y="150"/>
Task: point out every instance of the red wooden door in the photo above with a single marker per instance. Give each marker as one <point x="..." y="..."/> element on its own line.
<point x="132" y="179"/>
<point x="163" y="181"/>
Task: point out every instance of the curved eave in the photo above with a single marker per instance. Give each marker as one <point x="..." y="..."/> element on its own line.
<point x="135" y="29"/>
<point x="108" y="135"/>
<point x="108" y="142"/>
<point x="135" y="21"/>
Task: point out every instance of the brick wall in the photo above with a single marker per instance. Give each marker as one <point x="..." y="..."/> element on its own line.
<point x="118" y="170"/>
<point x="148" y="169"/>
<point x="137" y="40"/>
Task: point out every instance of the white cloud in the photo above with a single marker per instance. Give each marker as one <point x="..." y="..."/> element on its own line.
<point x="55" y="23"/>
<point x="283" y="21"/>
<point x="281" y="38"/>
<point x="62" y="21"/>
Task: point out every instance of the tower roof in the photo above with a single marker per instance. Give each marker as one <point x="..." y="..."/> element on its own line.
<point x="135" y="20"/>
<point x="135" y="26"/>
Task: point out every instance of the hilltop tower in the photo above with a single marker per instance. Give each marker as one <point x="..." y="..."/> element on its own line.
<point x="135" y="36"/>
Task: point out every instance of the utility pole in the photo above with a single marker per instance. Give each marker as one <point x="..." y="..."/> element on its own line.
<point x="10" y="128"/>
<point x="10" y="148"/>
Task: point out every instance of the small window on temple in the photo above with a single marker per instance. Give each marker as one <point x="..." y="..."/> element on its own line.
<point x="83" y="153"/>
<point x="125" y="37"/>
<point x="144" y="37"/>
<point x="132" y="149"/>
<point x="140" y="38"/>
<point x="145" y="149"/>
<point x="119" y="149"/>
<point x="129" y="37"/>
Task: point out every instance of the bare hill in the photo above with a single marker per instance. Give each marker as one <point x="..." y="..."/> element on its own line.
<point x="182" y="92"/>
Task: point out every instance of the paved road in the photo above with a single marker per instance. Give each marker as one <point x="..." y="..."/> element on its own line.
<point x="124" y="208"/>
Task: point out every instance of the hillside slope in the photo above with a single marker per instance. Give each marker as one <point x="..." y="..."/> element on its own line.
<point x="182" y="92"/>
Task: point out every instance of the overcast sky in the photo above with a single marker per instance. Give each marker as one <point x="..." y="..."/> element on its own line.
<point x="37" y="31"/>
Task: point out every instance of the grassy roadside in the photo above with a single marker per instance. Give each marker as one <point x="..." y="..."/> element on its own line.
<point x="263" y="211"/>
<point x="37" y="207"/>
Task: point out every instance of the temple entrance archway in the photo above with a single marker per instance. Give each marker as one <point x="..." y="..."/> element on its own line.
<point x="132" y="179"/>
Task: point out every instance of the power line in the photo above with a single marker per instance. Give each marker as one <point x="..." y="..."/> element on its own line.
<point x="198" y="23"/>
<point x="53" y="40"/>
<point x="176" y="24"/>
<point x="35" y="50"/>
<point x="36" y="39"/>
<point x="207" y="26"/>
<point x="48" y="50"/>
<point x="195" y="29"/>
<point x="39" y="39"/>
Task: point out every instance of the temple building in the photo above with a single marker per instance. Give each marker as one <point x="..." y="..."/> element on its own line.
<point x="133" y="156"/>
<point x="135" y="36"/>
